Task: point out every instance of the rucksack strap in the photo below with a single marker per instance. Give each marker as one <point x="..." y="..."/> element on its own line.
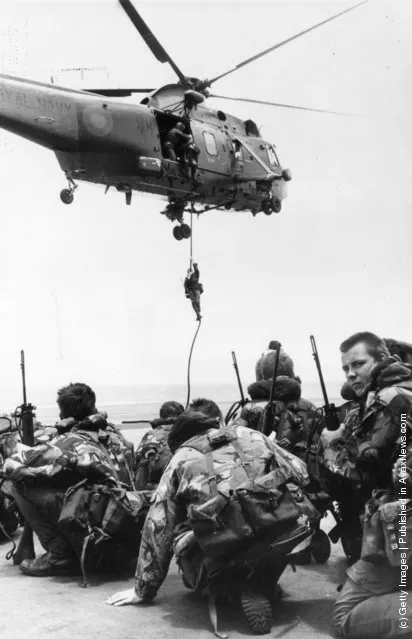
<point x="12" y="551"/>
<point x="213" y="617"/>
<point x="210" y="441"/>
<point x="206" y="443"/>
<point x="85" y="545"/>
<point x="206" y="447"/>
<point x="211" y="473"/>
<point x="245" y="463"/>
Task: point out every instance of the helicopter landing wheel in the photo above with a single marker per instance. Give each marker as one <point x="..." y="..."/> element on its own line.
<point x="66" y="196"/>
<point x="267" y="207"/>
<point x="185" y="231"/>
<point x="177" y="233"/>
<point x="276" y="205"/>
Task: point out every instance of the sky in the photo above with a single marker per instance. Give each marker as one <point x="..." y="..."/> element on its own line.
<point x="94" y="291"/>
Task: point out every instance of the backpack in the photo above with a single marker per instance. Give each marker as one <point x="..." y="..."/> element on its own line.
<point x="290" y="423"/>
<point x="228" y="521"/>
<point x="152" y="458"/>
<point x="9" y="518"/>
<point x="104" y="517"/>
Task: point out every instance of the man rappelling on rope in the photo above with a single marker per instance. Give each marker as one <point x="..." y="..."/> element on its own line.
<point x="194" y="289"/>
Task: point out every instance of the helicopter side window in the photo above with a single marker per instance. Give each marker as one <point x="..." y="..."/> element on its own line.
<point x="210" y="143"/>
<point x="273" y="158"/>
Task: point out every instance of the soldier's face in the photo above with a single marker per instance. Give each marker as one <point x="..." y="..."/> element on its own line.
<point x="357" y="365"/>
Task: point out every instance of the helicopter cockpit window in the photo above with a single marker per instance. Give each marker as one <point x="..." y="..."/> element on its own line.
<point x="251" y="129"/>
<point x="273" y="158"/>
<point x="210" y="142"/>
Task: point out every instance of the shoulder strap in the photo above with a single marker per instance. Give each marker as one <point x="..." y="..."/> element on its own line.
<point x="243" y="460"/>
<point x="211" y="473"/>
<point x="211" y="440"/>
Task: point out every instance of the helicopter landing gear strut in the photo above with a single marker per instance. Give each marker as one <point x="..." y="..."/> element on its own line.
<point x="127" y="190"/>
<point x="67" y="195"/>
<point x="174" y="212"/>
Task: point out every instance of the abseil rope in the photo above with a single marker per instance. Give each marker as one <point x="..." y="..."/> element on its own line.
<point x="188" y="365"/>
<point x="191" y="241"/>
<point x="200" y="321"/>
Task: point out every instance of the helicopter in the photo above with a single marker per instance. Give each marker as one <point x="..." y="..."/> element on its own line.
<point x="223" y="163"/>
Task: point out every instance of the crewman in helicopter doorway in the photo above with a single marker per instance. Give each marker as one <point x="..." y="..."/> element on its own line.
<point x="194" y="289"/>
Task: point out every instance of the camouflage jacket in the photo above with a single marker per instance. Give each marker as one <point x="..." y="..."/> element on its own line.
<point x="120" y="451"/>
<point x="64" y="461"/>
<point x="186" y="482"/>
<point x="371" y="439"/>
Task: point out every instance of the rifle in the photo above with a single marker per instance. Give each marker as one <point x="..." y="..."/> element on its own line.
<point x="268" y="417"/>
<point x="25" y="549"/>
<point x="330" y="411"/>
<point x="243" y="401"/>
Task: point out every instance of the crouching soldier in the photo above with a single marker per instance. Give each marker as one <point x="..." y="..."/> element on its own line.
<point x="208" y="465"/>
<point x="39" y="477"/>
<point x="292" y="414"/>
<point x="153" y="453"/>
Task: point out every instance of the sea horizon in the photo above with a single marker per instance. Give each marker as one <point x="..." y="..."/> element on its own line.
<point x="142" y="402"/>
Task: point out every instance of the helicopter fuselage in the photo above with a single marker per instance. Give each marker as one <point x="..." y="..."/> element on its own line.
<point x="119" y="144"/>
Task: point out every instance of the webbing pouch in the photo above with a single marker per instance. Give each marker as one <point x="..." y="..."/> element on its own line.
<point x="397" y="532"/>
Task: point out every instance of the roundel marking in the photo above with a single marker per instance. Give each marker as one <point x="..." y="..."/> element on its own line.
<point x="97" y="120"/>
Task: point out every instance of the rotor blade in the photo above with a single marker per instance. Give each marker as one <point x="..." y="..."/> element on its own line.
<point x="117" y="93"/>
<point x="279" y="104"/>
<point x="281" y="44"/>
<point x="150" y="39"/>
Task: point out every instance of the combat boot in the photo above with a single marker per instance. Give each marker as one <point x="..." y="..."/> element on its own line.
<point x="49" y="565"/>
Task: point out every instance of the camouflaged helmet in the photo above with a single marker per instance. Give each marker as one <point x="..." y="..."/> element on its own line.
<point x="264" y="366"/>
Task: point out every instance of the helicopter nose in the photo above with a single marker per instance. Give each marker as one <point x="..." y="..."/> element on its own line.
<point x="287" y="175"/>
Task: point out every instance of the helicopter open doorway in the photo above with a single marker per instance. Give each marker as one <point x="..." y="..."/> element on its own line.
<point x="176" y="160"/>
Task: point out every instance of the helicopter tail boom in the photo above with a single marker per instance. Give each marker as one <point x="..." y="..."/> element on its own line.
<point x="38" y="112"/>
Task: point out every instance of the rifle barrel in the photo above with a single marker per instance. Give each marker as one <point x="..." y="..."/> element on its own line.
<point x="235" y="366"/>
<point x="23" y="374"/>
<point x="26" y="409"/>
<point x="268" y="415"/>
<point x="25" y="549"/>
<point x="275" y="371"/>
<point x="332" y="420"/>
<point x="318" y="366"/>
